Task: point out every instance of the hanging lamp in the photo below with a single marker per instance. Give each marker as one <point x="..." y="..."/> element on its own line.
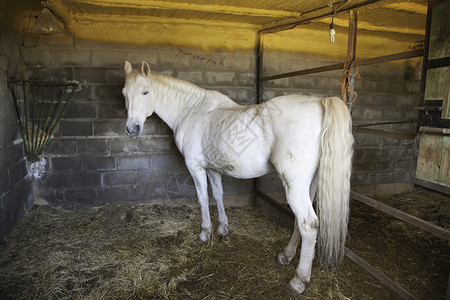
<point x="46" y="23"/>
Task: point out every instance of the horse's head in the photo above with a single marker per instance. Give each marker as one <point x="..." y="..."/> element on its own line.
<point x="137" y="94"/>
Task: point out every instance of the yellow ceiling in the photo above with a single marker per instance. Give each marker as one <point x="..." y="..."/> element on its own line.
<point x="384" y="26"/>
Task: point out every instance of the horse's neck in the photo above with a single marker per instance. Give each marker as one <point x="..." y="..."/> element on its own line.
<point x="174" y="97"/>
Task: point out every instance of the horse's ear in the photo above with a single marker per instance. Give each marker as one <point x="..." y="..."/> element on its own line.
<point x="145" y="69"/>
<point x="128" y="67"/>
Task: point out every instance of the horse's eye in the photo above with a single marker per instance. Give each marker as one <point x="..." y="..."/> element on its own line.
<point x="145" y="93"/>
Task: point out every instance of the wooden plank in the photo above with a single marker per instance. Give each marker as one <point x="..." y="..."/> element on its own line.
<point x="383" y="132"/>
<point x="339" y="66"/>
<point x="427" y="226"/>
<point x="429" y="158"/>
<point x="391" y="57"/>
<point x="378" y="275"/>
<point x="319" y="13"/>
<point x="432" y="186"/>
<point x="444" y="170"/>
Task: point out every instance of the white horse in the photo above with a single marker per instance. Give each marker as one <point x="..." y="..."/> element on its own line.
<point x="306" y="140"/>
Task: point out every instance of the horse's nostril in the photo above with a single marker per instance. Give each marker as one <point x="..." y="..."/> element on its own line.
<point x="138" y="128"/>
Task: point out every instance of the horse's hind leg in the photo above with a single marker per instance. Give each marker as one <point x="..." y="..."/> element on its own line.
<point x="307" y="222"/>
<point x="215" y="179"/>
<point x="285" y="257"/>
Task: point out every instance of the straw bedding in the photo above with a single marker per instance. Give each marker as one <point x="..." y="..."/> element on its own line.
<point x="133" y="251"/>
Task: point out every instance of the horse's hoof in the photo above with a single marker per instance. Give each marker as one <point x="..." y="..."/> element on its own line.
<point x="295" y="289"/>
<point x="283" y="260"/>
<point x="205" y="236"/>
<point x="222" y="230"/>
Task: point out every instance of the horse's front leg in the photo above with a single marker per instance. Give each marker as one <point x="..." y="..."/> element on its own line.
<point x="215" y="179"/>
<point x="201" y="185"/>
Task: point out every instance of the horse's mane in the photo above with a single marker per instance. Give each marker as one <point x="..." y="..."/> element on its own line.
<point x="172" y="84"/>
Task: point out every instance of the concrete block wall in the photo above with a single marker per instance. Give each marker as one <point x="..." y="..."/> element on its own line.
<point x="92" y="161"/>
<point x="15" y="190"/>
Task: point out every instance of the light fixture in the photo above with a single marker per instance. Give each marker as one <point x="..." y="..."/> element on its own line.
<point x="46" y="23"/>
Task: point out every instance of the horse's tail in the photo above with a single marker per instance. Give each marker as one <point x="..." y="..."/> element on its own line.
<point x="333" y="193"/>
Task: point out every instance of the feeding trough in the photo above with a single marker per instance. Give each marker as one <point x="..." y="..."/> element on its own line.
<point x="39" y="106"/>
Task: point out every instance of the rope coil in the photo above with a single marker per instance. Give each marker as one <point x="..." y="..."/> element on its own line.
<point x="345" y="81"/>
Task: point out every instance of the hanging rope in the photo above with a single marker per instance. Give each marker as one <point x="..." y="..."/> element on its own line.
<point x="345" y="81"/>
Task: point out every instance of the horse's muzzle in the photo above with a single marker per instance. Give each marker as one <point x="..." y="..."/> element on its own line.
<point x="134" y="130"/>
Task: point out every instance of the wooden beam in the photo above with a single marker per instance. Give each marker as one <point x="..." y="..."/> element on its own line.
<point x="383" y="132"/>
<point x="378" y="275"/>
<point x="339" y="66"/>
<point x="427" y="226"/>
<point x="314" y="14"/>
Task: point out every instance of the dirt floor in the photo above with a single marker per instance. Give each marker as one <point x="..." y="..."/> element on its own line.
<point x="152" y="252"/>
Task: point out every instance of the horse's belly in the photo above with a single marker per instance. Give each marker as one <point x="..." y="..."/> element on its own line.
<point x="240" y="167"/>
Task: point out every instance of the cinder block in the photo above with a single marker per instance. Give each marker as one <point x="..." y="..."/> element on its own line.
<point x="109" y="127"/>
<point x="90" y="74"/>
<point x="14" y="154"/>
<point x="180" y="185"/>
<point x="115" y="76"/>
<point x="119" y="178"/>
<point x="50" y="74"/>
<point x="109" y="58"/>
<point x="85" y="94"/>
<point x="91" y="146"/>
<point x="386" y="100"/>
<point x="278" y="83"/>
<point x="410" y="100"/>
<point x="66" y="164"/>
<point x="100" y="163"/>
<point x="203" y="61"/>
<point x="133" y="163"/>
<point x="220" y="78"/>
<point x="384" y="189"/>
<point x="125" y="145"/>
<point x="159" y="144"/>
<point x="17" y="173"/>
<point x="155" y="126"/>
<point x="112" y="110"/>
<point x="57" y="180"/>
<point x="80" y="110"/>
<point x="235" y="186"/>
<point x="70" y="57"/>
<point x="79" y="198"/>
<point x="303" y="82"/>
<point x="323" y="83"/>
<point x="169" y="59"/>
<point x="239" y="62"/>
<point x="241" y="95"/>
<point x="367" y="72"/>
<point x="61" y="146"/>
<point x="152" y="177"/>
<point x="145" y="193"/>
<point x="247" y="79"/>
<point x="4" y="183"/>
<point x="109" y="92"/>
<point x="195" y="77"/>
<point x="86" y="179"/>
<point x="387" y="72"/>
<point x="75" y="128"/>
<point x="66" y="40"/>
<point x="166" y="161"/>
<point x="37" y="57"/>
